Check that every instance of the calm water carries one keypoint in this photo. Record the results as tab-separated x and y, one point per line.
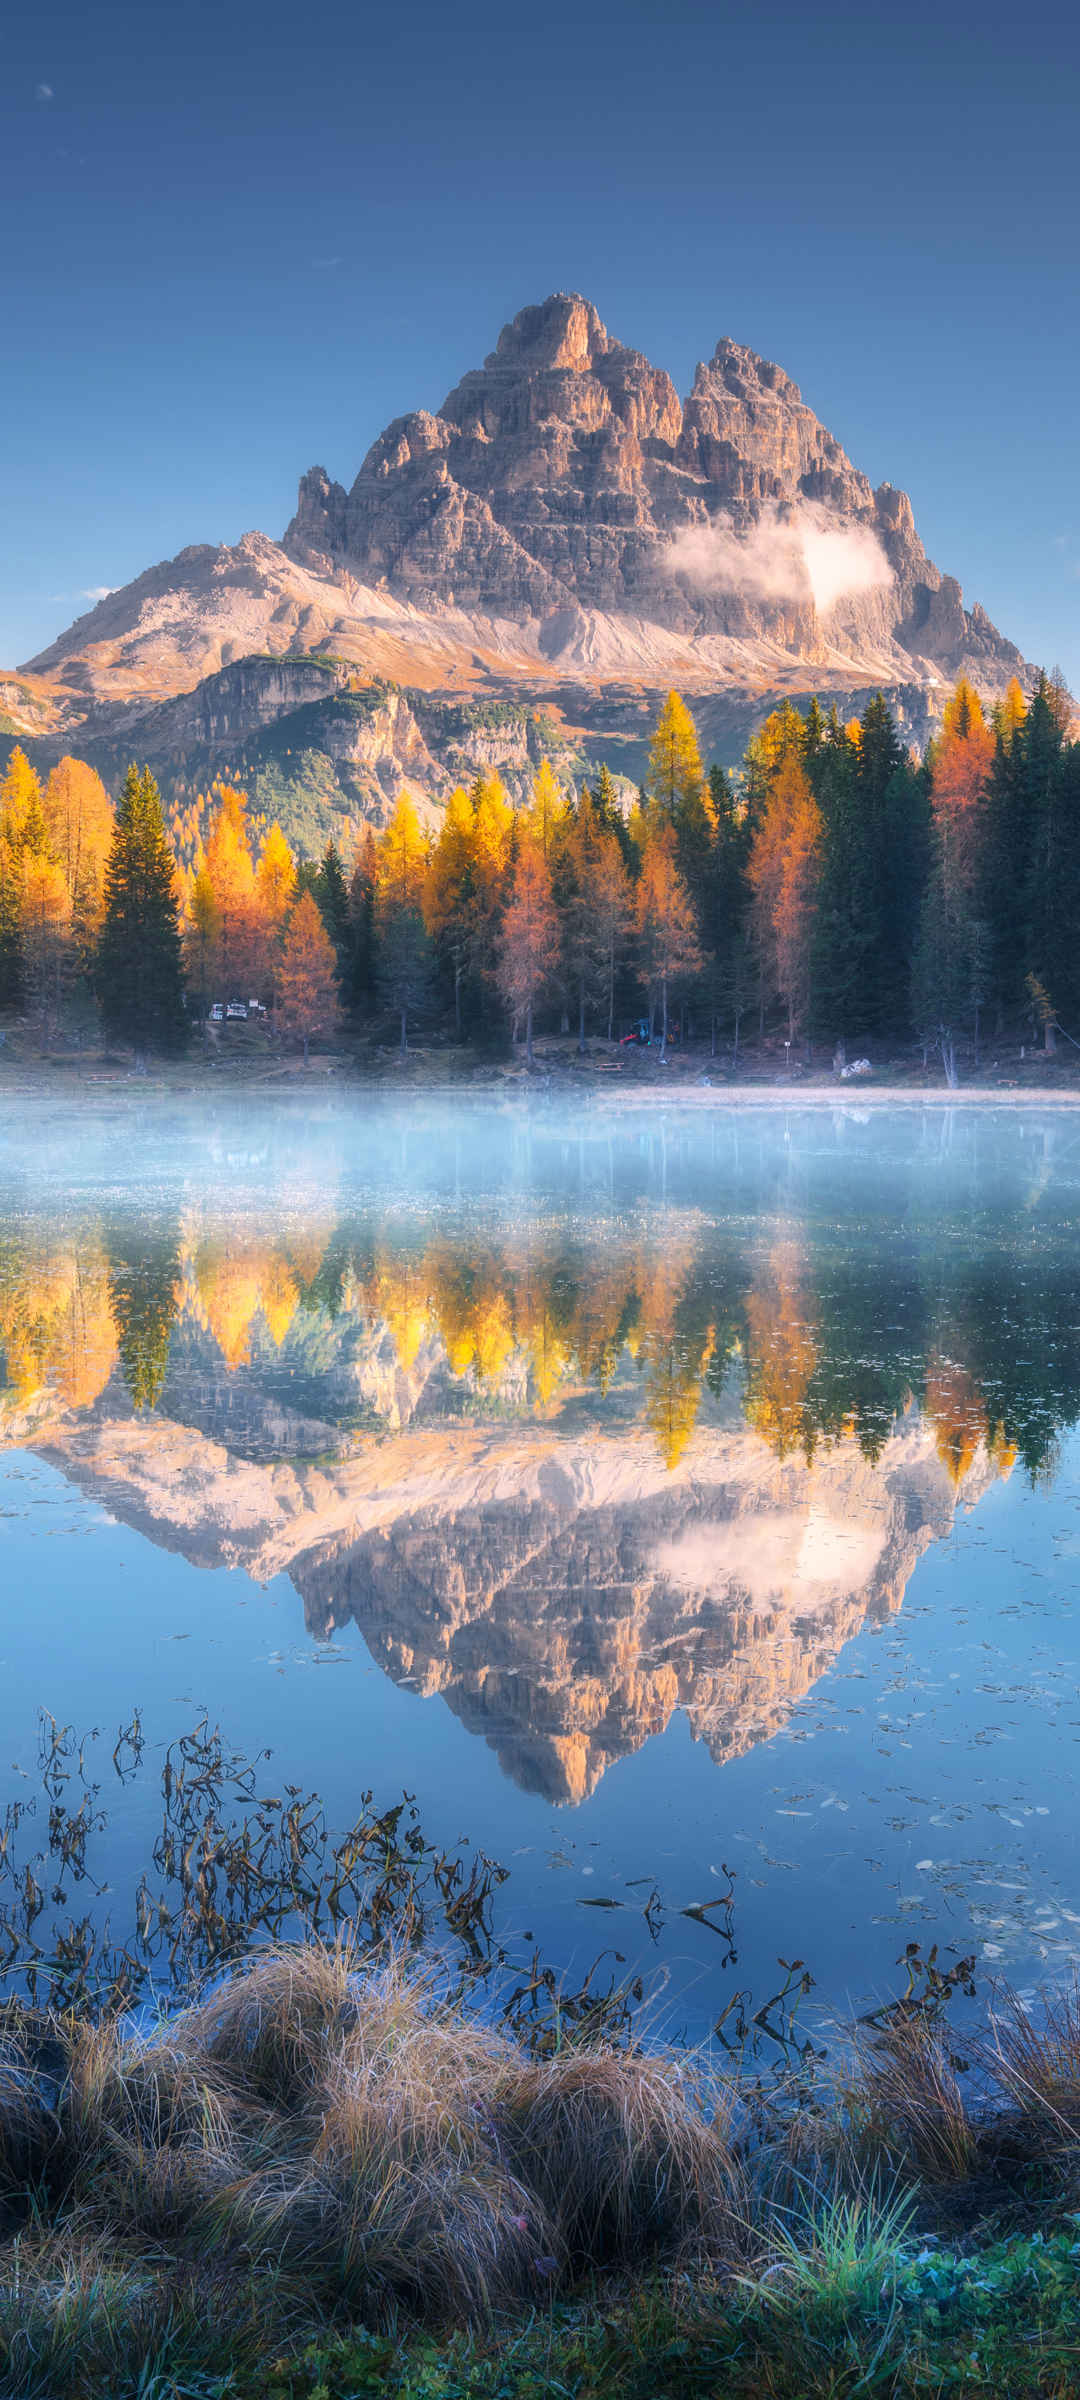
648	1493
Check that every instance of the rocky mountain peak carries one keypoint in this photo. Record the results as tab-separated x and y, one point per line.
563	331
564	522
557	364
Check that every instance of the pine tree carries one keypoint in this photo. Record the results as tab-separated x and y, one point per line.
362	884
139	970
448	895
332	894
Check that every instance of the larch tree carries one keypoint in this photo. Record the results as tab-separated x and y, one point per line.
529	942
139	969
231	869
23	836
783	872
275	889
547	815
201	936
675	772
275	877
308	984
45	929
79	817
493	841
666	924
403	954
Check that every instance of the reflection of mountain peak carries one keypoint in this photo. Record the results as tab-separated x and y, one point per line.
564	1597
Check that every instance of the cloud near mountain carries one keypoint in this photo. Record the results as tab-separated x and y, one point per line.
806	554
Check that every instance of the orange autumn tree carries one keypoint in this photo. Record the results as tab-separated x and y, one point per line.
666	924
784	871
45	930
962	761
308	974
529	942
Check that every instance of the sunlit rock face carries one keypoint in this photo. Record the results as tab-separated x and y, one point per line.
563	1597
562	532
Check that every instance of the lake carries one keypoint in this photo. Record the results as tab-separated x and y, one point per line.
679	1503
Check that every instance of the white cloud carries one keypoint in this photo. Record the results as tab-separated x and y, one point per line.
43	91
99	591
804	554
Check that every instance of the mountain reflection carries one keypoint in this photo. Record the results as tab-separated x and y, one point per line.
569	1470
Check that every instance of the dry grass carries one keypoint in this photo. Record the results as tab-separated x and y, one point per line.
906	2110
360	2146
313	2143
1035	2064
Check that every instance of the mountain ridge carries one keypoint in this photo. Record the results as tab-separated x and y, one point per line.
564	534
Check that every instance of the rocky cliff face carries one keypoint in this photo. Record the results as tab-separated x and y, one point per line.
564	532
564	476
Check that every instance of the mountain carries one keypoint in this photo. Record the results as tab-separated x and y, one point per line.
525	569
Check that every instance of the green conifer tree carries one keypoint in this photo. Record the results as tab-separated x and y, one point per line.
332	896
140	981
144	1289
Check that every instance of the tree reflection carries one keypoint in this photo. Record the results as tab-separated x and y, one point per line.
818	1337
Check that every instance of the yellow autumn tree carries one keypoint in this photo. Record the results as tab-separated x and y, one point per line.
548	811
275	877
493	834
238	963
675	769
1010	713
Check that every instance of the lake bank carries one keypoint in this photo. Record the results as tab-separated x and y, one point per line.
697	1084
318	2181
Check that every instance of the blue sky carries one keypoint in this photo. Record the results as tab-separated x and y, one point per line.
239	239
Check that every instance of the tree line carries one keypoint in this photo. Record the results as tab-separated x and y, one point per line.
834	887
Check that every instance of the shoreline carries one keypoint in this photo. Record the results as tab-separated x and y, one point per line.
592	1091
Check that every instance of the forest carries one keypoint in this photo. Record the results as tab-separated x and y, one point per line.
834	888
